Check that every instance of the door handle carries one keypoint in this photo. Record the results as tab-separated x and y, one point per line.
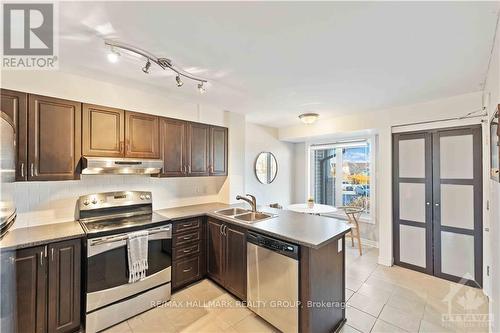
187	269
32	167
437	204
22	169
52	254
224	230
41	258
427	203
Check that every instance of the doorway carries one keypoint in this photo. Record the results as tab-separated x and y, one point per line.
437	203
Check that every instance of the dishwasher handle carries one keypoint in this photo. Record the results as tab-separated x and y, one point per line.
287	249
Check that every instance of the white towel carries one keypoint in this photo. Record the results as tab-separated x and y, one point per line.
137	248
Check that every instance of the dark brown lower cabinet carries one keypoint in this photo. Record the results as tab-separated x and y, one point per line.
31	290
64	286
227	256
47	288
188	252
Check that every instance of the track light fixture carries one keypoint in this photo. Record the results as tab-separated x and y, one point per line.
179	81
201	89
164	63
145	69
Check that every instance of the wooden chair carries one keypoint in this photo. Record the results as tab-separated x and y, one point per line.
353	214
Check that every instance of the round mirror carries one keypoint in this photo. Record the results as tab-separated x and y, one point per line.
266	167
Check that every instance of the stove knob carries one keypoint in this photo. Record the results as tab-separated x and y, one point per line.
86	202
148	196
94	201
142	197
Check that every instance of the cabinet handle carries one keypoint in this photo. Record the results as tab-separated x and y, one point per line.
121	147
187	224
437	204
224	230
189	168
32	167
186	251
187	237
22	169
187	269
220	229
52	254
41	258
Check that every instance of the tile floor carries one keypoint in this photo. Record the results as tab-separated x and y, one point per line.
379	299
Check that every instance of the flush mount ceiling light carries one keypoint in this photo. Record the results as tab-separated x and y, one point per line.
309	118
163	63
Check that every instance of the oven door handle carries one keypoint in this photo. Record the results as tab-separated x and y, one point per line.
99	245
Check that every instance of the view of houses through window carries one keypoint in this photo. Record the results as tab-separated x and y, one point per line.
342	174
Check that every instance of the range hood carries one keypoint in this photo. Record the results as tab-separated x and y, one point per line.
120	166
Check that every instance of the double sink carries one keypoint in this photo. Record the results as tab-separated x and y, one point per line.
244	215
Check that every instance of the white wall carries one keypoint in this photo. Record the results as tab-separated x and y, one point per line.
52	202
380	123
492	88
281	190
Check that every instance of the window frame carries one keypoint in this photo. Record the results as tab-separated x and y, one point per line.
345	143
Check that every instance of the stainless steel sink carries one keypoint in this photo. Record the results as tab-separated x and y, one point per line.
253	216
231	211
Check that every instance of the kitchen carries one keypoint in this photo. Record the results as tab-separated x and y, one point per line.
179	168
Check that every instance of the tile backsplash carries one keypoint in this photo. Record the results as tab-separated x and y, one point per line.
53	202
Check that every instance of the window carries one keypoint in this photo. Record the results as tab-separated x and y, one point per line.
341	174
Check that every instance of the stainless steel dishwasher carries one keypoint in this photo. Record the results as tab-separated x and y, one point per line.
273	281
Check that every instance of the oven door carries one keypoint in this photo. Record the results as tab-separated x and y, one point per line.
107	267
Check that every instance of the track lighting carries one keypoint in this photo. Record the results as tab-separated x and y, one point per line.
179	81
145	69
113	55
201	89
163	63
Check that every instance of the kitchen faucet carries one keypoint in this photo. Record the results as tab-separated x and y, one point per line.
252	201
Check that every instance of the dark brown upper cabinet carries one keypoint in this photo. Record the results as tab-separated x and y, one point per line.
198	149
103	131
173	136
142	135
14	104
54	138
218	151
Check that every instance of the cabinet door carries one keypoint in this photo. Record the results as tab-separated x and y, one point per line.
14	104
54	138
103	131
198	149
215	250
235	268
64	286
173	146
31	290
142	135
218	151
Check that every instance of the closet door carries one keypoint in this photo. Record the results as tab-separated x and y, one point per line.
412	197
457	206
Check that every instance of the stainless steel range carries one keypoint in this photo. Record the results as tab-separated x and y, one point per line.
107	219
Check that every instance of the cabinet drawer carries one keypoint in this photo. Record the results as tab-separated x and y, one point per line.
186	250
186	271
186	238
185	225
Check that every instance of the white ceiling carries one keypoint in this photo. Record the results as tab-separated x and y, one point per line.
275	60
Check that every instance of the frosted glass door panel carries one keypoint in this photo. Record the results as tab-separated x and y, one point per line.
456	160
457	254
457	206
412	202
412	245
412	158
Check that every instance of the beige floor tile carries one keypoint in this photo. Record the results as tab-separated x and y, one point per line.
431	327
206	324
353	283
229	317
368	304
119	328
371	290
401	319
253	324
414	306
360	320
384	327
348	329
